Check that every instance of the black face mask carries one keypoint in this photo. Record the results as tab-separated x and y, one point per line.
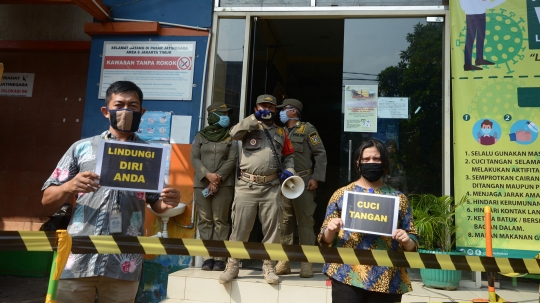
371	171
125	120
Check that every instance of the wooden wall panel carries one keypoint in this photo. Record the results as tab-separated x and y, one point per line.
37	131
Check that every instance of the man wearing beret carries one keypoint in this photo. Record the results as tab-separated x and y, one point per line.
309	164
266	156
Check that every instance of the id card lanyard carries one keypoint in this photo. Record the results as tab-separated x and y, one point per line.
115	218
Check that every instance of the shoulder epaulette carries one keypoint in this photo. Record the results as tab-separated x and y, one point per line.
302	128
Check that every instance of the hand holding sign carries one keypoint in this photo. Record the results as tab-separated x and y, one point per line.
403	238
83	183
334	226
170	197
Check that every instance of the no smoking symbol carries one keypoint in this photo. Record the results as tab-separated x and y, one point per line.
184	63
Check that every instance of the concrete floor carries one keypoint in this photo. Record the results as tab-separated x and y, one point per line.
23	289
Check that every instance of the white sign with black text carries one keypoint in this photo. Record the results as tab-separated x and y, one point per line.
163	70
17	84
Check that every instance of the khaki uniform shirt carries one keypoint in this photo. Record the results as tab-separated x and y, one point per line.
309	150
257	156
213	157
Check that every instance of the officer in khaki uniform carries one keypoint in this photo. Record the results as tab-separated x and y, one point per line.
257	191
310	164
214	155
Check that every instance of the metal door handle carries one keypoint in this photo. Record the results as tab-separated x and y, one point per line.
350	152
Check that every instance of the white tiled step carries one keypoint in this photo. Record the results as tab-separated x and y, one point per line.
194	286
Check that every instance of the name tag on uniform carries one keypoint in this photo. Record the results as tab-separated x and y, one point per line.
115	223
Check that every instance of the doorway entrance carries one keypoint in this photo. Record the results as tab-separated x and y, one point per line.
332	65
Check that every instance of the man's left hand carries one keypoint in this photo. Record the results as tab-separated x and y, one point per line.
285	174
170	197
312	184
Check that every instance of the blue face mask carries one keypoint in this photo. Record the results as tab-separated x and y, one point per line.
283	116
223	120
486	130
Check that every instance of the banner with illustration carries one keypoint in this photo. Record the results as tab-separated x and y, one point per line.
496	113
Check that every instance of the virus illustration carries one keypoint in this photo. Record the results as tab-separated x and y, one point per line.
496	98
505	38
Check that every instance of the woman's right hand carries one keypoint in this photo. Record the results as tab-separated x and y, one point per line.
334	225
213	178
331	229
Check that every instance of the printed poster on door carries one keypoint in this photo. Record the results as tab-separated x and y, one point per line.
163	70
496	113
360	108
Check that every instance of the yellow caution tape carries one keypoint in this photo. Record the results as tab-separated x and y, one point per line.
45	241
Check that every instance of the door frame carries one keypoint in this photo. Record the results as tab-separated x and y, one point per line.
248	13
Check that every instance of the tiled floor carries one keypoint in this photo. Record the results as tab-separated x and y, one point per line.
192	285
420	293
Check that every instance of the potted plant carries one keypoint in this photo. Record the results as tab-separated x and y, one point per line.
434	218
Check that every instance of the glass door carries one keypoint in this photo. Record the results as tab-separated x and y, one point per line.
320	61
392	91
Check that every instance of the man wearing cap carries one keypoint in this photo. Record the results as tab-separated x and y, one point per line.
267	156
214	155
310	164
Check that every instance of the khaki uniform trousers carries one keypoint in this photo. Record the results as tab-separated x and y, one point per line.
84	290
213	215
299	212
250	201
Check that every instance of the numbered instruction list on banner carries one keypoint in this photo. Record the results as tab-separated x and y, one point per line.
163	70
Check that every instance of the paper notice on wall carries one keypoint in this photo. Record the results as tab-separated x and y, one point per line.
393	108
163	70
17	84
180	129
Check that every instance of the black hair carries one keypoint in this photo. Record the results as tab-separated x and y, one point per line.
122	87
380	147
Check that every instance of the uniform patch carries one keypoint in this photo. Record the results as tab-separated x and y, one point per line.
314	137
301	129
252	142
279	131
